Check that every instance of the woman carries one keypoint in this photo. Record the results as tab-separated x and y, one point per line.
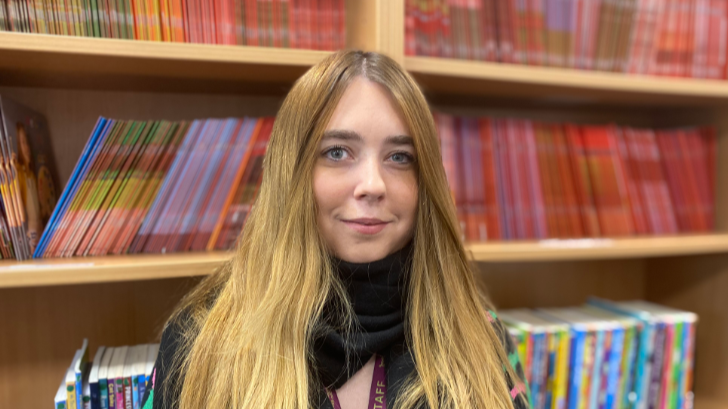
350	286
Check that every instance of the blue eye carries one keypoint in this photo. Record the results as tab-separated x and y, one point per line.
402	158
335	153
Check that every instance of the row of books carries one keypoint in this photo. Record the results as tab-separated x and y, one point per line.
28	179
115	379
521	179
606	355
159	187
659	37
311	24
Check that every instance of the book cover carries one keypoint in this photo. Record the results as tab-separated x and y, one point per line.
138	379
32	158
565	176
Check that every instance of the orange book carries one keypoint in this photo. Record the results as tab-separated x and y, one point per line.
113	183
543	148
608	181
86	191
582	181
636	202
570	201
119	214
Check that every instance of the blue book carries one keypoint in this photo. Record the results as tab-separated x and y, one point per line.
83	165
79	367
104	378
578	333
645	348
93	379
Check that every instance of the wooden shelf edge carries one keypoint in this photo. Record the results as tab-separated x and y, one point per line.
613	83
86	270
44	272
109	47
586	249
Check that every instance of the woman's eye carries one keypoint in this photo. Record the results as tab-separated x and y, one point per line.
401	157
336	153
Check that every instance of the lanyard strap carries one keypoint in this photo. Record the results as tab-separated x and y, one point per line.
378	391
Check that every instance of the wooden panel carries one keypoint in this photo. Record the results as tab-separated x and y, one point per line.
43	327
49	60
560	284
72	114
452	76
376	25
700	285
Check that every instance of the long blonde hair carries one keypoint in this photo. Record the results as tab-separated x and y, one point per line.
250	326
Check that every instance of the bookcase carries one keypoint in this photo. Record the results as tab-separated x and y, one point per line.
48	306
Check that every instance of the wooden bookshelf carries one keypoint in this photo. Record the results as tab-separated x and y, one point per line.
87	270
113	64
48	306
549	84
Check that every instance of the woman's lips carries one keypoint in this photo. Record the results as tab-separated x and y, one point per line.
366	226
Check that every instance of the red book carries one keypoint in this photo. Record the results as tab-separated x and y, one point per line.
671	167
629	167
570	201
521	205
540	226
582	180
492	208
505	179
653	184
608	180
691	166
701	168
543	151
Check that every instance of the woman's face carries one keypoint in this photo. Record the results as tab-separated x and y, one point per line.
365	178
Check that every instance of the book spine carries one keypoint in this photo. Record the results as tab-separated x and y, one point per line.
103	394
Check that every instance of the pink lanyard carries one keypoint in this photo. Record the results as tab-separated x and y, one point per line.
378	392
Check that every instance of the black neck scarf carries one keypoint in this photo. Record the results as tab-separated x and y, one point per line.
377	291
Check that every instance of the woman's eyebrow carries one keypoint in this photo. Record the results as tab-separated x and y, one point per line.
342	135
399	140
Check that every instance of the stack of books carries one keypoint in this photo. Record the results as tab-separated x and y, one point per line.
159	187
683	38
28	179
310	24
631	354
521	179
116	378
